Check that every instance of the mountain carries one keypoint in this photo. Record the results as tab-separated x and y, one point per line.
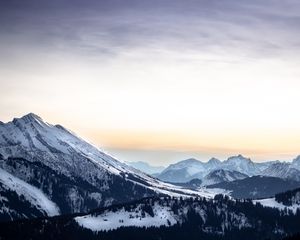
58	166
146	167
283	170
221	175
240	164
213	163
257	187
187	170
167	219
296	163
181	171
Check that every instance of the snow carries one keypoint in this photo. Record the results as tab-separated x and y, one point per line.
271	202
163	216
63	151
241	164
32	194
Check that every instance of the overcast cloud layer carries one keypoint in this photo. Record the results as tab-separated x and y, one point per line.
201	76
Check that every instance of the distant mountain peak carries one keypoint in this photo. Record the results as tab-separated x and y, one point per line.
214	160
239	157
297	159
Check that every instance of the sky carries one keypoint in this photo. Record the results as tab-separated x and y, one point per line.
158	81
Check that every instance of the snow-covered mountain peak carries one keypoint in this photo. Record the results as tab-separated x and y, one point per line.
214	161
29	118
30	137
241	164
238	158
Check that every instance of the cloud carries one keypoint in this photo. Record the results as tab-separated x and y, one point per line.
109	28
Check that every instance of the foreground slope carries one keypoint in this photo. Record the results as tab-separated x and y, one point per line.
19	199
164	218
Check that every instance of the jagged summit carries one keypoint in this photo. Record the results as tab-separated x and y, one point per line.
30	117
238	157
241	164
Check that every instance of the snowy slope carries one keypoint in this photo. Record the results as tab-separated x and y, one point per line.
222	175
163	212
33	195
162	216
165	218
272	203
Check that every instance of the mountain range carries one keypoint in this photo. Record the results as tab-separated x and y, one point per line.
234	168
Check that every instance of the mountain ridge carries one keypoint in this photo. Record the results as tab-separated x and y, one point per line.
186	170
